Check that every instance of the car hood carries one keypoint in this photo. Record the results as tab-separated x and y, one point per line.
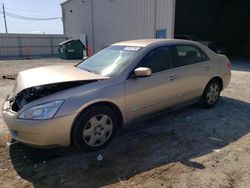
52	75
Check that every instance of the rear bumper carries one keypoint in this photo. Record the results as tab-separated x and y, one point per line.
39	133
226	80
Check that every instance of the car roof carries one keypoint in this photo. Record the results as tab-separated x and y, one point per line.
149	42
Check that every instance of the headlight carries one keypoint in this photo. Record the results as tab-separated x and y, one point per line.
42	112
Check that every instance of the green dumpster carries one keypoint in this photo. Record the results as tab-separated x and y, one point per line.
71	49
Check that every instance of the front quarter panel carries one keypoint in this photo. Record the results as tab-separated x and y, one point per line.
112	93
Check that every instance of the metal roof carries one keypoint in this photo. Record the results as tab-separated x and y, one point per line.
66	1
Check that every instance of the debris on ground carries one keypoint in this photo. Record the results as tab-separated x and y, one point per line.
8	143
122	182
9	77
99	157
11	143
217	150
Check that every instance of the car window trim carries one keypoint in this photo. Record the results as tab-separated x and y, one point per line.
187	66
175	69
202	55
195	46
144	54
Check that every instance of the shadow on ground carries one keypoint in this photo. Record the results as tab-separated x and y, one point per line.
168	137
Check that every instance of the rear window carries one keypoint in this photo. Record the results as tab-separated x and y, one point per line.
187	55
204	56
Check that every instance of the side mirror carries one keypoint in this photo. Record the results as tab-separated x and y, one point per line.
143	72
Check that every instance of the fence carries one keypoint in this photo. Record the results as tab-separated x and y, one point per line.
29	45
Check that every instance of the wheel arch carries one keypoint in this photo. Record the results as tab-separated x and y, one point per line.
218	78
111	105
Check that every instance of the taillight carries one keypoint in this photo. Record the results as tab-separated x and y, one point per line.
229	65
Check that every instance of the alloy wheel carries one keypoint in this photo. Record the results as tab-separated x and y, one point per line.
98	130
213	93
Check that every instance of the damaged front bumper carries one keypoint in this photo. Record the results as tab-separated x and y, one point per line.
39	133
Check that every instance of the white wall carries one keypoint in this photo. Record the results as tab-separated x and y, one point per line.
165	16
77	19
120	20
108	21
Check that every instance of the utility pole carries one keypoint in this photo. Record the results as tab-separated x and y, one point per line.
5	22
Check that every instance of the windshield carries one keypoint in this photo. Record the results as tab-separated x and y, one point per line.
110	61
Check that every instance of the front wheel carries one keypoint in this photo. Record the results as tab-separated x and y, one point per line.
211	94
95	128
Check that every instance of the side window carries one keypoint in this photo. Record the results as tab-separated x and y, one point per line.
187	55
158	59
204	56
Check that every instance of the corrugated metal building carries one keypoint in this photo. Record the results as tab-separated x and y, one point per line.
107	21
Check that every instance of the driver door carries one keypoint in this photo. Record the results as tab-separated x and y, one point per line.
146	95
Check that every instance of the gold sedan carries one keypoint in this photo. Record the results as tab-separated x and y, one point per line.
86	104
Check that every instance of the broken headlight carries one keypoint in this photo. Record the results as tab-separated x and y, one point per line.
42	112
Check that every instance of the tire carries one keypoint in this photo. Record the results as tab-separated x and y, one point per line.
211	94
94	128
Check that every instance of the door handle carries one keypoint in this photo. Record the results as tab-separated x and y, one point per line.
207	67
172	77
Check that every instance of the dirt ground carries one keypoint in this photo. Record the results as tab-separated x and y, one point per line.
190	147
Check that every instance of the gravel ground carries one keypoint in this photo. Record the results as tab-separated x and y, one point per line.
190	147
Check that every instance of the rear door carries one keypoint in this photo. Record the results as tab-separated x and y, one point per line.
158	91
195	69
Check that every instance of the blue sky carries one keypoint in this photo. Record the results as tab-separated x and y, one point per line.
32	8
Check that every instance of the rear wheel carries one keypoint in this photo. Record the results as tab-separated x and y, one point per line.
95	128
211	94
